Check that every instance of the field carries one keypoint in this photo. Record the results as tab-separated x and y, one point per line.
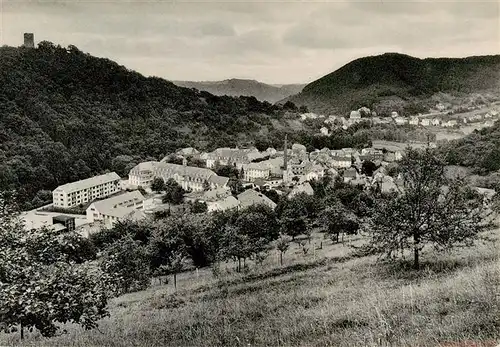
326	297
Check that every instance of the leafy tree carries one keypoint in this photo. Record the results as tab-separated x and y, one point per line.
236	186
167	249
45	279
127	262
282	245
199	207
197	162
290	106
174	194
368	167
158	184
430	210
227	171
339	220
303	109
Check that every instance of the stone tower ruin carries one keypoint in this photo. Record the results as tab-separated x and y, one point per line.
29	40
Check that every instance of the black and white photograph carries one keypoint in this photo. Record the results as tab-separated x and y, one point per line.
197	173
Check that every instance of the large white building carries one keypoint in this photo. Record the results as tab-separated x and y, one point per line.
80	192
253	171
188	177
112	207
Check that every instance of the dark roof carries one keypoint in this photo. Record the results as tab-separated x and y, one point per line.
63	218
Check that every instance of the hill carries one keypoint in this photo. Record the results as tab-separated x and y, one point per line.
322	298
397	82
237	87
479	150
65	115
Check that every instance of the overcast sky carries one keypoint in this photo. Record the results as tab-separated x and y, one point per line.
274	42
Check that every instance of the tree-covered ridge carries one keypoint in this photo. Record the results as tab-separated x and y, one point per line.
65	115
479	150
398	81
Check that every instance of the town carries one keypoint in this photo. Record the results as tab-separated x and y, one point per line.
108	198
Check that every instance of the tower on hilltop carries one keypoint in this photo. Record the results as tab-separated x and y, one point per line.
29	40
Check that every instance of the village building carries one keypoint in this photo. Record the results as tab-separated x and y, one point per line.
188	177
115	208
304	188
225	204
401	120
324	131
81	192
253	171
251	197
436	121
355	115
425	122
342	162
350	174
413	121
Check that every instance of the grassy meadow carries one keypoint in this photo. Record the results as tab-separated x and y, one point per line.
326	297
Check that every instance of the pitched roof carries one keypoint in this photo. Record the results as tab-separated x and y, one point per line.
302	188
228	203
184	170
351	172
115	201
89	182
218	180
251	197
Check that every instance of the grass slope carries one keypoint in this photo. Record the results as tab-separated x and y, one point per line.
325	298
393	81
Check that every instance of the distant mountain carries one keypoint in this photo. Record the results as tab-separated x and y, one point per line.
397	82
237	87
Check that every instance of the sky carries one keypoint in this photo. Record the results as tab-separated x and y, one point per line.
270	41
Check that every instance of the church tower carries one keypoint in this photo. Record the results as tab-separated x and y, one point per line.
285	161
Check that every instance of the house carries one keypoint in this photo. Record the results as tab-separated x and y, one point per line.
312	172
350	174
449	124
401	120
113	215
189	151
436	122
342	162
309	115
228	203
301	188
413	121
355	115
425	122
394	114
188	177
80	192
101	208
253	171
324	131
372	154
251	197
271	151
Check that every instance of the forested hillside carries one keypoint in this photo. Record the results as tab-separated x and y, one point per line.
65	115
397	82
479	150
